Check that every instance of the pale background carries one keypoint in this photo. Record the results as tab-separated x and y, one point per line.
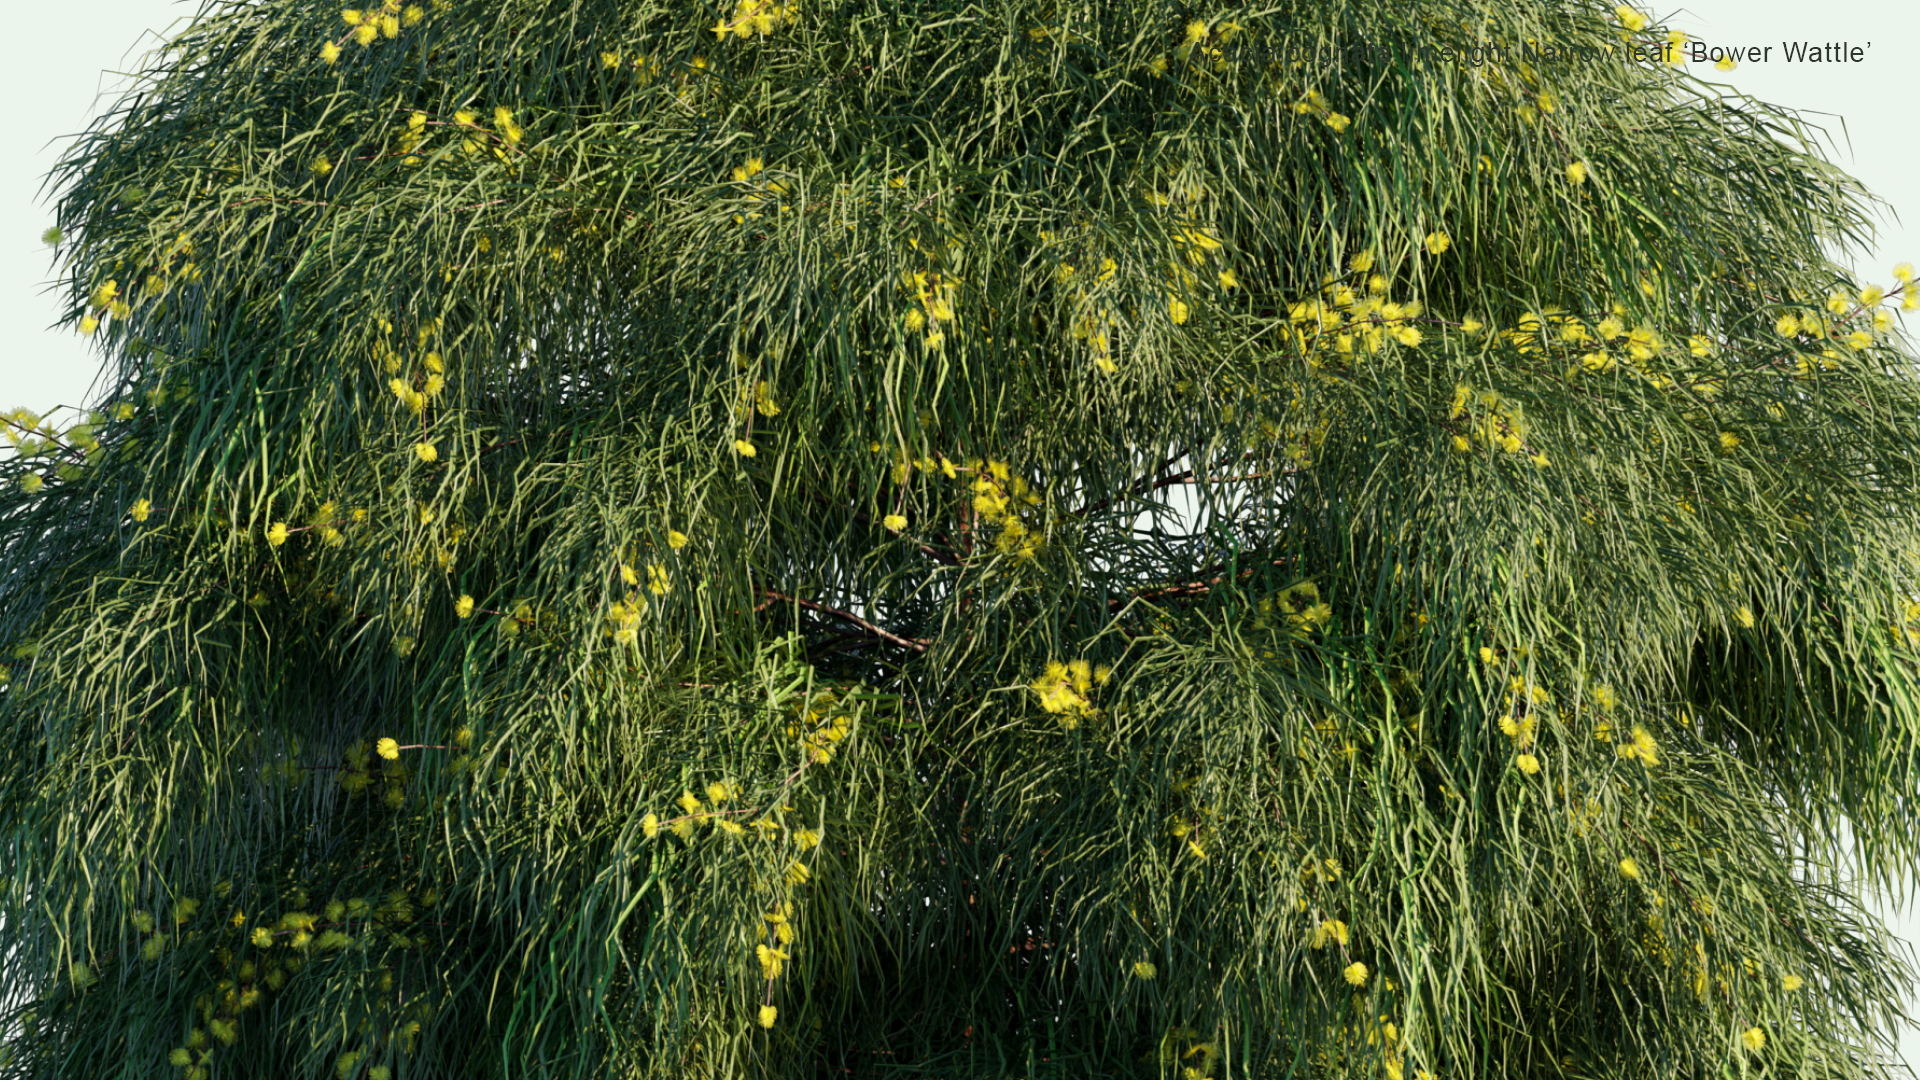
66	55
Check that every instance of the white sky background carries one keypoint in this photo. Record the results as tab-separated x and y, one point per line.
75	48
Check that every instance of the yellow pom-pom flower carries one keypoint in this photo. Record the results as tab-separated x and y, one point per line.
1577	172
426	452
1356	974
676	540
895	522
768	1014
1528	764
387	748
329	52
1630	869
1438	242
1753	1039
744	448
277	533
463	607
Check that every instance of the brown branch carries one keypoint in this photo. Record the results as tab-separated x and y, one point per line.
916	644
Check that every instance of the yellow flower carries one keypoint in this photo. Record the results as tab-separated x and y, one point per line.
463	607
1632	20
329	52
1646	749
768	1014
141	509
1577	172
1630	869
676	540
1754	1039
1528	764
719	792
388	749
1745	615
1792	983
1228	280
650	826
1728	440
262	937
1438	242
1726	63
894	522
1362	262
1177	309
366	33
1471	326
744	448
1356	974
425	452
1144	970
277	533
1837	303
1786	326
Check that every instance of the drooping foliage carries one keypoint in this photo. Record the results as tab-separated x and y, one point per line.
626	538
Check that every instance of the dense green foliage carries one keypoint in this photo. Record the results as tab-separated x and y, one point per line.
970	540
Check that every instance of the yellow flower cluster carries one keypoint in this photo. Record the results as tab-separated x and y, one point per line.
250	969
1006	501
1066	690
1642	748
372	24
1329	932
1354	314
1315	104
1298	607
759	190
930	304
1491	419
752	17
821	728
774	955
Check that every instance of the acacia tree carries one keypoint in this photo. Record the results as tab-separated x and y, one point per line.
622	539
